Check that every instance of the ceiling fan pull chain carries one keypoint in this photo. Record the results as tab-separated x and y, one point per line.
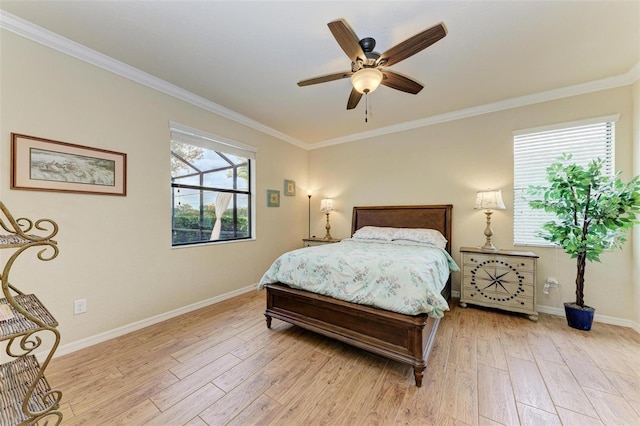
366	106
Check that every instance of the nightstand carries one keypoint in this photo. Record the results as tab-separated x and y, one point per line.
309	242
500	279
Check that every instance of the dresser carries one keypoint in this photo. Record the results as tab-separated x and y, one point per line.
309	242
499	279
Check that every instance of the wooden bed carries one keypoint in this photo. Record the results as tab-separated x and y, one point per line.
400	337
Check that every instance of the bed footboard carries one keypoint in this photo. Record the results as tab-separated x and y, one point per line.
396	336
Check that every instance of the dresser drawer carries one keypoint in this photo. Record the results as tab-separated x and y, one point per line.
498	298
520	263
310	242
491	271
504	291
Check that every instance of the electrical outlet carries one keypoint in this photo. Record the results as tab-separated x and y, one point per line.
79	306
551	282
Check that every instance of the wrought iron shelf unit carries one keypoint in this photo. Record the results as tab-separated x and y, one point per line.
26	396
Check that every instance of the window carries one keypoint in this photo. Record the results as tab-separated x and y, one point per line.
535	149
211	187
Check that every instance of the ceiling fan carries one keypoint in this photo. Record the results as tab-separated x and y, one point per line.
367	67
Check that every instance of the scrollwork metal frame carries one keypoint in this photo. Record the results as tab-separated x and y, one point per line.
23	343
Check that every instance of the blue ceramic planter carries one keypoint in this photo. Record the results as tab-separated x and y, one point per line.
579	318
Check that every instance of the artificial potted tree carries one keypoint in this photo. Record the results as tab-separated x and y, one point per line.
594	213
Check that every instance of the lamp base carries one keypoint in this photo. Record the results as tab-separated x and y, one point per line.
328	227
309	222
488	232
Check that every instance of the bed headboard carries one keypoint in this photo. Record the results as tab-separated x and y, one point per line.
432	217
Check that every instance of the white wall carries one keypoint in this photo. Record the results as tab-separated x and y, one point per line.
116	251
449	162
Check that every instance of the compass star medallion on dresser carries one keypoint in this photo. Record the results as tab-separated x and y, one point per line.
499	279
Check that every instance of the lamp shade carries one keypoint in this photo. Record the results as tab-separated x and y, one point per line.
326	205
366	80
489	200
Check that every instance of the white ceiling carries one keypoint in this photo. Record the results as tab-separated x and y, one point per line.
246	56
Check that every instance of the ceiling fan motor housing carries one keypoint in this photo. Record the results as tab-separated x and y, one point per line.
367	44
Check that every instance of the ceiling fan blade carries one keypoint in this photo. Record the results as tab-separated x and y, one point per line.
347	39
354	98
325	78
400	82
412	45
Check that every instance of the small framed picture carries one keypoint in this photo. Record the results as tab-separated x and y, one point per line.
273	198
289	187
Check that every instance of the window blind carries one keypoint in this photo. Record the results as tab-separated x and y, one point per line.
199	138
535	149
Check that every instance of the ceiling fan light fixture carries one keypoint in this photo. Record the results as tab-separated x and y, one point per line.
366	80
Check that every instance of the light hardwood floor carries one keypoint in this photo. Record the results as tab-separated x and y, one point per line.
221	365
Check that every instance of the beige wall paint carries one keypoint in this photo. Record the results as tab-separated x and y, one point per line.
116	251
449	162
635	277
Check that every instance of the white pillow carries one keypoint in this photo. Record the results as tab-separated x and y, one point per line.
375	233
421	235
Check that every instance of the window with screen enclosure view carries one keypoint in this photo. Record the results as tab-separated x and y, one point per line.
211	189
535	149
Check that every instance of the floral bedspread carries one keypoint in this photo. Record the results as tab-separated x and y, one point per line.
397	276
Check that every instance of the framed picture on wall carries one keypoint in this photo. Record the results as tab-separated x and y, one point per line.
46	165
273	198
289	187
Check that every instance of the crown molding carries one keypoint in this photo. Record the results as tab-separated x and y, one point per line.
626	79
55	41
50	39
